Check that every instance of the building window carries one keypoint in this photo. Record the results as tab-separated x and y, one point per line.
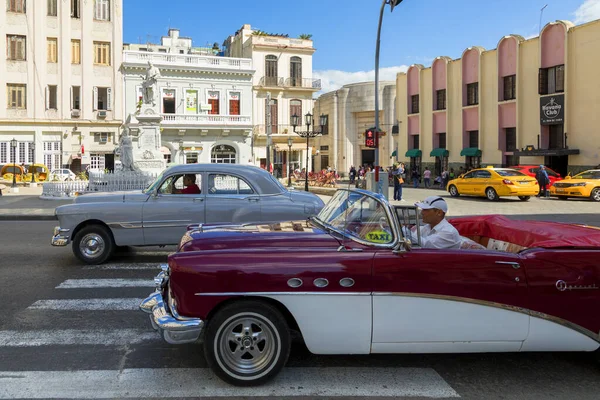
474	139
556	136
169	101
222	154
415	141
552	80
271	70
52	8
102	10
53	155
510	87
102	98
325	129
234	103
52	50
274	117
102	137
440	96
75	11
442	140
473	94
102	53
295	109
16	96
511	139
97	162
75	51
296	71
414	104
213	100
17	6
15	47
51	97
75	98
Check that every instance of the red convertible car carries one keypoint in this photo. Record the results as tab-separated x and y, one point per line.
349	282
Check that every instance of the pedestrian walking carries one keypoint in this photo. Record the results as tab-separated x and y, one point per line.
352	174
427	177
398	174
445	178
415	176
543	180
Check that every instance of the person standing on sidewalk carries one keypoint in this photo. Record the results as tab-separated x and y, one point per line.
427	178
543	180
398	181
415	177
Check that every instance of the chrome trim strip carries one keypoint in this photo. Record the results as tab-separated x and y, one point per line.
515	265
526	311
125	225
228	294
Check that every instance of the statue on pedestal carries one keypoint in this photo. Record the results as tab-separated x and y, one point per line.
126	150
149	85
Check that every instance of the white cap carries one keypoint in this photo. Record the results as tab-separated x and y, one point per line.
433	202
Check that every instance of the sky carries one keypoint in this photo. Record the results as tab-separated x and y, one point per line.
344	33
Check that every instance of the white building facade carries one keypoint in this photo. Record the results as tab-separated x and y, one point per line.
283	69
205	101
63	101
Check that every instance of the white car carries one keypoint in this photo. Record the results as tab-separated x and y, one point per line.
62	175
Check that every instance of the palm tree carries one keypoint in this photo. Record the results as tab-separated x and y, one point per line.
305	36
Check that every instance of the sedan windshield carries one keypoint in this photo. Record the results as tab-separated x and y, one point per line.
154	184
588	175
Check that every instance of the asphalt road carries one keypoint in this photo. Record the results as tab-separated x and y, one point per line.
53	343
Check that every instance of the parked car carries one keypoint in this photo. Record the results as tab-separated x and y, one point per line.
160	214
493	183
348	282
531	170
62	174
585	184
39	171
8	170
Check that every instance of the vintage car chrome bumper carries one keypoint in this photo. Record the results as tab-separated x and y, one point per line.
59	237
173	328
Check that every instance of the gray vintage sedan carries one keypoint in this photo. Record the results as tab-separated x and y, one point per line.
182	195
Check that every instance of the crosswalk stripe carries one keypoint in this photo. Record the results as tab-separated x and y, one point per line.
125	266
118	337
169	383
88	304
104	283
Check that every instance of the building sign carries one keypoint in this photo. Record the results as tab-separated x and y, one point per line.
552	109
191	101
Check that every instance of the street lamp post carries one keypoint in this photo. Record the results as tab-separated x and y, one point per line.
13	147
32	147
290	143
308	133
392	3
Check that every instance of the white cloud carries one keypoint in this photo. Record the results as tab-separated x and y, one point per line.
335	79
588	11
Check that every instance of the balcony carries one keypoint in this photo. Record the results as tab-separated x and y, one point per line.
276	130
296	83
206	120
187	60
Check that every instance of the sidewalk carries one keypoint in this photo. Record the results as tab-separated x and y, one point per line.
26	205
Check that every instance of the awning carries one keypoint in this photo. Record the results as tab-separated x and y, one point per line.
439	152
470	152
545	152
413	153
394	153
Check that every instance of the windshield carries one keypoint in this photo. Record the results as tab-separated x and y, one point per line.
359	216
154	185
588	175
509	172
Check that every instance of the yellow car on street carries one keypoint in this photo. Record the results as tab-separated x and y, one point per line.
585	184
493	183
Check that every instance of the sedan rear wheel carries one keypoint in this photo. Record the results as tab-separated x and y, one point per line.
93	244
247	343
524	198
453	191
595	195
491	194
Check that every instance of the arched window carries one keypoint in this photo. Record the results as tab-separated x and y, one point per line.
271	70
296	71
296	108
223	154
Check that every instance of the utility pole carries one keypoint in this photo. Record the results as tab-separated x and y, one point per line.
268	166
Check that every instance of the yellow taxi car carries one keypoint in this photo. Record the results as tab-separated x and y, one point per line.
493	183
585	184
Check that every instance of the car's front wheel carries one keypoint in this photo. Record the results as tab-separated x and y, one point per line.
93	244
524	198
595	195
453	191
491	194
247	343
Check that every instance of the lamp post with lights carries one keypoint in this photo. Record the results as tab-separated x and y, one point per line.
308	133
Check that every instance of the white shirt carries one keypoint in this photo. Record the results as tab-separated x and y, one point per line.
442	236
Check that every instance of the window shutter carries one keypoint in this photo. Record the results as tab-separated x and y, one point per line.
109	99
543	81
47	95
95	98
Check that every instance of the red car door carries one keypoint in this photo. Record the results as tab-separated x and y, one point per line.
432	300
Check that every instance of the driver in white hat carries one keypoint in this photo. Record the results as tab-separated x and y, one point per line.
437	233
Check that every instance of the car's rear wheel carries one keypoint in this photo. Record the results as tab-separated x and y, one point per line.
93	244
491	194
453	190
595	195
524	198
247	343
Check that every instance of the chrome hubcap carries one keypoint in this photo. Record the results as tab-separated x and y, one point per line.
247	344
92	245
490	195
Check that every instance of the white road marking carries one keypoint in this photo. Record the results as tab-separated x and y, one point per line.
88	304
169	383
104	283
125	266
117	337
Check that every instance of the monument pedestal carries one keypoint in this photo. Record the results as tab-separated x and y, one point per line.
146	154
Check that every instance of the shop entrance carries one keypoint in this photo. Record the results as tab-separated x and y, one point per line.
368	157
558	163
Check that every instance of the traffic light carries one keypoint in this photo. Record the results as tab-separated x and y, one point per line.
371	138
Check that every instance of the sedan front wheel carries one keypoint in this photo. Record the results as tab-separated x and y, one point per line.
247	343
93	244
453	191
595	195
